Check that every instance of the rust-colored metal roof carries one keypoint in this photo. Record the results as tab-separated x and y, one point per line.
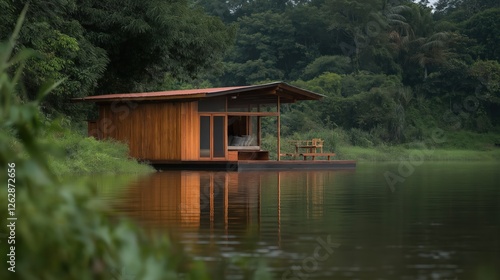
297	93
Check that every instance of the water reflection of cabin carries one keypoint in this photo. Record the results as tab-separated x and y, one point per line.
186	128
224	200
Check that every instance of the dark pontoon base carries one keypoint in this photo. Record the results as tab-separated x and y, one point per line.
255	165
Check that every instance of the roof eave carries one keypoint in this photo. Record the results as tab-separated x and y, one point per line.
299	94
139	98
311	95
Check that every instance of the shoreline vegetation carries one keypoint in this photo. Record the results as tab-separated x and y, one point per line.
79	154
82	155
389	72
388	154
361	146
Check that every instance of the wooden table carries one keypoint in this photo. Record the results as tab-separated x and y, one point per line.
303	144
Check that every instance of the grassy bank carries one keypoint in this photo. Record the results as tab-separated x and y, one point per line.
78	154
402	153
361	146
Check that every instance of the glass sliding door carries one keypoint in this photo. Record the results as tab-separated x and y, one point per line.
212	136
219	135
205	137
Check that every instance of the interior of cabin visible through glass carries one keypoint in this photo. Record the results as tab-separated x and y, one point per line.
242	132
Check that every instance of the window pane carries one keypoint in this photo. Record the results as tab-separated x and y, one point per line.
204	136
219	133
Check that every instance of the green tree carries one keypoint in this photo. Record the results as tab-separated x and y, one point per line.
484	27
265	49
311	24
487	74
308	116
146	40
328	63
417	47
113	46
348	19
62	52
431	51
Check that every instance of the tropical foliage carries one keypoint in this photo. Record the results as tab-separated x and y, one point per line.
391	69
112	46
61	230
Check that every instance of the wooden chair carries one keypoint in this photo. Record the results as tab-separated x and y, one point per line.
318	143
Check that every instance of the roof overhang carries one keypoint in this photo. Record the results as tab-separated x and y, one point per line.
288	94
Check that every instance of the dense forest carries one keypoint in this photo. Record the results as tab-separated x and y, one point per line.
390	70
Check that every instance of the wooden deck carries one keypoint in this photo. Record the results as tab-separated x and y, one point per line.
254	165
314	155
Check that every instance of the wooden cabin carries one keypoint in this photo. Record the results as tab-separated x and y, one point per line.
213	124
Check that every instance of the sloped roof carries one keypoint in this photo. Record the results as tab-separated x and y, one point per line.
287	92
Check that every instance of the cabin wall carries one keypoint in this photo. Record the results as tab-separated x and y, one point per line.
190	131
153	131
92	129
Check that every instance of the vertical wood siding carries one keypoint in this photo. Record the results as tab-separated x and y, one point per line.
190	120
92	130
153	131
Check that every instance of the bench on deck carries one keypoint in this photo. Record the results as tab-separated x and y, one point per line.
247	153
288	155
313	155
253	155
310	148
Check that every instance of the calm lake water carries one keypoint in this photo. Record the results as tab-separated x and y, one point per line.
441	222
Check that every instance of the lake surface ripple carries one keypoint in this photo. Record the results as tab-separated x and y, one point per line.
441	222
